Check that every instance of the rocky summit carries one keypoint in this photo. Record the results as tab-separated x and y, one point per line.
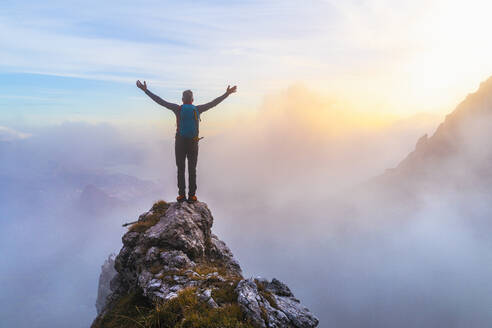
172	271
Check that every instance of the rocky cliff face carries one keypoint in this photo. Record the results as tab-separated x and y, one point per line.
461	140
456	158
173	272
107	274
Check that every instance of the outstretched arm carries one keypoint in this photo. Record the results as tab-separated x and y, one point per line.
216	101
157	99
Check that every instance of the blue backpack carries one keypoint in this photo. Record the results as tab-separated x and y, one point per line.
188	121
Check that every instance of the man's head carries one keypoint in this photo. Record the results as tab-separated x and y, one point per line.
187	97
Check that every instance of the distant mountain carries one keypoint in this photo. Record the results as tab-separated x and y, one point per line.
457	155
451	169
94	200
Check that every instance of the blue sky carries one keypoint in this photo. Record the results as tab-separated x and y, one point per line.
80	60
74	60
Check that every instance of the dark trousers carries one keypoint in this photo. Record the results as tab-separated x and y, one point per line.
186	148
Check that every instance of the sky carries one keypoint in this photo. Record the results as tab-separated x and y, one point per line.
78	61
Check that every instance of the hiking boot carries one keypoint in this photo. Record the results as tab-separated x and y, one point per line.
192	199
181	198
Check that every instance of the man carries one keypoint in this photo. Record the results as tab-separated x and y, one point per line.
186	142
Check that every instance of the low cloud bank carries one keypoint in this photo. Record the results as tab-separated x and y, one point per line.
283	196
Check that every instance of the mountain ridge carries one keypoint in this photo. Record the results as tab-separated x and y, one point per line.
451	135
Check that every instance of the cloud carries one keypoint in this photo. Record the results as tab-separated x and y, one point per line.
8	134
161	42
275	186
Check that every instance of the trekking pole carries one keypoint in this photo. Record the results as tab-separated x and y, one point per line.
127	224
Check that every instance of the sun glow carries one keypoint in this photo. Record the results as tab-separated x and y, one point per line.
452	51
421	56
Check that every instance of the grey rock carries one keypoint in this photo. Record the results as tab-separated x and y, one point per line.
220	251
278	288
212	303
130	238
176	259
275	307
165	259
176	288
154	284
170	296
212	275
207	293
185	227
104	289
153	254
206	296
250	301
144	281
297	314
192	273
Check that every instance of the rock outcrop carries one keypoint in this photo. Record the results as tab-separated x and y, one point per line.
176	273
462	139
107	274
456	158
272	304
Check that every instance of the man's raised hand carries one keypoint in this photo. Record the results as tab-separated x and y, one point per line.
142	86
231	90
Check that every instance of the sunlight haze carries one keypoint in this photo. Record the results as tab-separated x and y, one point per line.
352	163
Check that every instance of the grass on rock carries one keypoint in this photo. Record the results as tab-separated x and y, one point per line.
158	210
183	311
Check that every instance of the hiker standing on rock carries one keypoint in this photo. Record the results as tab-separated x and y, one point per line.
187	129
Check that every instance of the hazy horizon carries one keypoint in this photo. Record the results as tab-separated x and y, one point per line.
84	180
297	167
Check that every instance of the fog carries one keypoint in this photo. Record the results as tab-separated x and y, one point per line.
295	191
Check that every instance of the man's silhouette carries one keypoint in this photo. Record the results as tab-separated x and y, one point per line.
187	128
